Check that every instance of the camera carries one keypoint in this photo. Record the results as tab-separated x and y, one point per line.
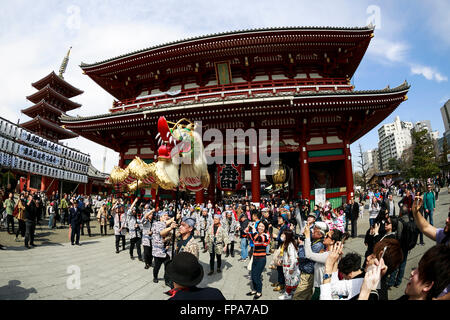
301	237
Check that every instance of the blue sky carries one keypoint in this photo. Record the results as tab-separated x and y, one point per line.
412	42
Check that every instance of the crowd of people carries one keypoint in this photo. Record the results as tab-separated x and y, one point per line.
304	246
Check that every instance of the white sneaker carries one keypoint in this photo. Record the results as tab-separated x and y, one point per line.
285	296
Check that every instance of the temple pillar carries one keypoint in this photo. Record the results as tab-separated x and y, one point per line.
256	179
199	197
304	172
348	171
121	159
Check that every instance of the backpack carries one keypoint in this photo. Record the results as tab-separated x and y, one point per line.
410	233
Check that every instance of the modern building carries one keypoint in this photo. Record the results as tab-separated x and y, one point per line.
426	125
445	112
371	159
393	139
296	80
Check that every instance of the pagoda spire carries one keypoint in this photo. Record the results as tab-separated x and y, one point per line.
63	67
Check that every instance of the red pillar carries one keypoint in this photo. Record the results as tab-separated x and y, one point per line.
304	172
199	197
121	160
256	179
348	171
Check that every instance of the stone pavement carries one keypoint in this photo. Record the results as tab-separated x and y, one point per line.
47	272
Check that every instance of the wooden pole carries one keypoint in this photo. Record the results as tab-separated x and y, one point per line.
176	209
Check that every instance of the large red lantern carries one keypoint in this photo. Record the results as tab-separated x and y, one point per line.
230	177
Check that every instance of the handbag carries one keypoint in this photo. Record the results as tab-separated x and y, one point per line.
16	211
278	258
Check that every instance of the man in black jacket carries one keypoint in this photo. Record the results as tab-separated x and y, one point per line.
75	220
388	205
31	213
354	214
86	218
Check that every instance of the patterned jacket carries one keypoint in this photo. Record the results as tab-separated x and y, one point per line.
146	232
203	223
161	246
120	223
231	227
218	240
133	230
191	247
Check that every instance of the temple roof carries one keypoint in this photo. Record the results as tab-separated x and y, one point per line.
52	79
34	125
191	104
47	92
229	33
34	109
94	173
333	52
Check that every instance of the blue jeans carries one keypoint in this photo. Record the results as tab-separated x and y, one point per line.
50	221
372	221
396	277
429	214
244	248
257	269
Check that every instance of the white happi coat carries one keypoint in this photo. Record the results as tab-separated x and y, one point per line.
120	223
133	231
203	223
146	230
231	227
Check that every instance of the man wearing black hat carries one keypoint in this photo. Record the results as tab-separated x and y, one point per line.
186	273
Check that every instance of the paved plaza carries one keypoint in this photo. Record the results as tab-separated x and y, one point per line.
49	271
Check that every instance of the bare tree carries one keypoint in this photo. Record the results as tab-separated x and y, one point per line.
364	167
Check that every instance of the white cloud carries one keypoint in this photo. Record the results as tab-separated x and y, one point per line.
387	51
428	72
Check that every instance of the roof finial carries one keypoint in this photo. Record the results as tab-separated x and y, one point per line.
63	67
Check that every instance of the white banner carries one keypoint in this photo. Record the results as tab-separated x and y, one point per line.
320	197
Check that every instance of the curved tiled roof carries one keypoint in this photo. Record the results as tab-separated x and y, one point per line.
52	75
402	87
229	33
48	124
37	96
